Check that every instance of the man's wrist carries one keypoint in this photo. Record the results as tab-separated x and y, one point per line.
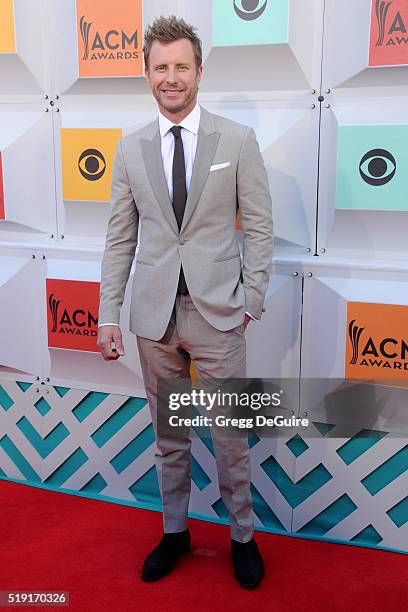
251	316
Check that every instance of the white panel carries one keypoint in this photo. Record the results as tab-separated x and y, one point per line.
305	42
128	118
273	344
347	31
26	71
21	298
64	42
28	168
32	30
15	121
288	139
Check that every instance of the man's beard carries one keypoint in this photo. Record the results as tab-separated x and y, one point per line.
182	105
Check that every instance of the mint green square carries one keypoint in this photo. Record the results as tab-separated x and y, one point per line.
352	190
270	28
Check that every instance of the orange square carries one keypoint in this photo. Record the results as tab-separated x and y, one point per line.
7	34
110	38
87	159
72	314
389	33
377	343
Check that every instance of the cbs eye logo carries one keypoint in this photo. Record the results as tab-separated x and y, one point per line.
378	167
249	9
92	164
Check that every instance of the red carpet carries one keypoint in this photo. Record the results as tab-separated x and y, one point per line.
94	550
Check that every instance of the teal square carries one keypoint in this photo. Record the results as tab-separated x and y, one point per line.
372	167
250	22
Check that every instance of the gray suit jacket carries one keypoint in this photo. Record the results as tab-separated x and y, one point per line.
220	286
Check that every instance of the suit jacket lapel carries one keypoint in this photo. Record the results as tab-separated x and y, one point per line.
151	151
207	144
206	147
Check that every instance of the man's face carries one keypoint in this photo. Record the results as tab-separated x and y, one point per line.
173	76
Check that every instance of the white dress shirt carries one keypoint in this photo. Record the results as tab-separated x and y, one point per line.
189	136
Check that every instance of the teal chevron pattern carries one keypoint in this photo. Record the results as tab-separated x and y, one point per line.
295	493
102	445
399	513
19	460
43	446
387	471
359	444
5	400
330	516
369	535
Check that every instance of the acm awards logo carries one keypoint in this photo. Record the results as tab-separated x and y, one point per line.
108	38
77	322
388	352
110	45
72	308
92	164
378	167
391	26
377	341
249	10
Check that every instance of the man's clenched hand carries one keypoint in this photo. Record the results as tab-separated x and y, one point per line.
106	335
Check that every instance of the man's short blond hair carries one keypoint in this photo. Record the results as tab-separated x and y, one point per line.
170	29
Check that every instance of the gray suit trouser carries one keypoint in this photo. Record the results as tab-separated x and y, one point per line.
216	354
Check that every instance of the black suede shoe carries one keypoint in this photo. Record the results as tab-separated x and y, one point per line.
163	558
248	564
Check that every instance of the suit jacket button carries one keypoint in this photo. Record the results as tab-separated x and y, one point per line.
181	241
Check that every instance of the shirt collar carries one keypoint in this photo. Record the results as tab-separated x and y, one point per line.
190	123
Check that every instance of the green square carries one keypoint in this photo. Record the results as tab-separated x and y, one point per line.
372	167
250	22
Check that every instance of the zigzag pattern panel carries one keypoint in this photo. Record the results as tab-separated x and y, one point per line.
102	445
364	498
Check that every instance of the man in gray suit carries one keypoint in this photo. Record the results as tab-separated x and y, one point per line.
176	188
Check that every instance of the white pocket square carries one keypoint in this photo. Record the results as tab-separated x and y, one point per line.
219	166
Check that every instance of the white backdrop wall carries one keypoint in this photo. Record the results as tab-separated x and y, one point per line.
324	91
